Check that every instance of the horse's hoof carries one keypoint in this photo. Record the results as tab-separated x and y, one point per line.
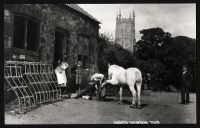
133	106
139	106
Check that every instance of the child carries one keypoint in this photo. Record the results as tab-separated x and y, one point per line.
61	76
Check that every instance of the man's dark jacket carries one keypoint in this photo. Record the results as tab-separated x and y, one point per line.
186	78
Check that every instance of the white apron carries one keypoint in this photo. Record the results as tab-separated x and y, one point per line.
61	76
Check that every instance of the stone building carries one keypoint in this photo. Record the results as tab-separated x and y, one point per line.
48	32
125	31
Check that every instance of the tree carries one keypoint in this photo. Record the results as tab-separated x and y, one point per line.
151	42
180	50
164	55
150	49
113	53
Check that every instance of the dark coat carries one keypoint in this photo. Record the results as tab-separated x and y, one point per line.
186	78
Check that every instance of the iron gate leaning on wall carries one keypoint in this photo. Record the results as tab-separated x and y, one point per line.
34	83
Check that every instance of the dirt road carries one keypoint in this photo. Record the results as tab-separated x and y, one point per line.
161	107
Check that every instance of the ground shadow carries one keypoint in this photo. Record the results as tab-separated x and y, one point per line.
129	103
144	105
108	99
124	101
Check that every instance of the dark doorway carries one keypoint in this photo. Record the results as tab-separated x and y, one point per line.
58	53
62	43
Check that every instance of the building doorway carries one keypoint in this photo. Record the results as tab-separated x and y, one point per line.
61	37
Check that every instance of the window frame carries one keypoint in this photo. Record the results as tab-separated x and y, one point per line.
84	41
32	19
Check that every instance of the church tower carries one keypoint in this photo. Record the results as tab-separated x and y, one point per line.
125	31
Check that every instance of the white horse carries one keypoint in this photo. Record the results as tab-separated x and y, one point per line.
131	77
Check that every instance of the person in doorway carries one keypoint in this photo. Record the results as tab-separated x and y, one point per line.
186	80
57	63
61	76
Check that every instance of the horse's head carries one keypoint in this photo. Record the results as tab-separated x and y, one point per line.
111	69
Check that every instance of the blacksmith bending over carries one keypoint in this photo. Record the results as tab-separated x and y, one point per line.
95	83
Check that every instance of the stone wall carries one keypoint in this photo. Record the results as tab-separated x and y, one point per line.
51	17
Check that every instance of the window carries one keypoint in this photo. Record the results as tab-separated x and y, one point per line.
83	43
85	61
79	57
19	32
26	33
32	43
91	45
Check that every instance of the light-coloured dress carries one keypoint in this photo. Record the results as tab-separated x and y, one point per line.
61	76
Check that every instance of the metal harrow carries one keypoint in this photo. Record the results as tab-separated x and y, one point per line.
34	83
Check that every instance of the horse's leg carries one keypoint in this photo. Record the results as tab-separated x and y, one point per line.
132	89
112	81
120	94
138	85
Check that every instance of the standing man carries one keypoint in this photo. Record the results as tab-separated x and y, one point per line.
148	81
79	75
186	80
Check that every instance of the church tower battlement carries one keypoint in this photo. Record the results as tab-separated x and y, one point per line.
125	31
